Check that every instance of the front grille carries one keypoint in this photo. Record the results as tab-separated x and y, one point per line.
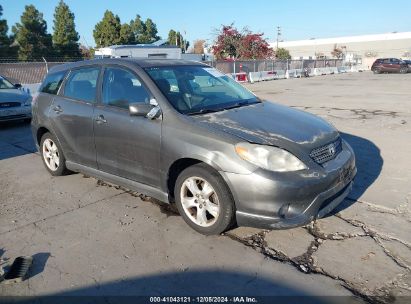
11	117
6	105
327	152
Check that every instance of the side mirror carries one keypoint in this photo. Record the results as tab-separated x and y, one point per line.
140	109
143	109
17	85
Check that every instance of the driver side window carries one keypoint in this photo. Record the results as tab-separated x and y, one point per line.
121	87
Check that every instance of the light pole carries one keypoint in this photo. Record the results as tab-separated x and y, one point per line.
278	34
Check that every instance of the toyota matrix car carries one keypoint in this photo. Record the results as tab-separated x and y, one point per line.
184	133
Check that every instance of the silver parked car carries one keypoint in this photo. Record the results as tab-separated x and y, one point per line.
15	104
183	132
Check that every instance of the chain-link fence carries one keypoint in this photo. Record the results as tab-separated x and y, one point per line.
247	66
34	72
26	72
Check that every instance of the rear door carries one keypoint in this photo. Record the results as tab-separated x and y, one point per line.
386	65
72	115
127	146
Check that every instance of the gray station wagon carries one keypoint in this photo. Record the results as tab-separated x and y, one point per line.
184	133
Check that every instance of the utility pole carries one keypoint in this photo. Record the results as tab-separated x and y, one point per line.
278	34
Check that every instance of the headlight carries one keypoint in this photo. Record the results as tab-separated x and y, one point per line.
269	158
28	101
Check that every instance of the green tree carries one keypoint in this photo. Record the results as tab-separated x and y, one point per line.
4	38
138	28
150	33
31	35
126	34
282	54
175	38
172	37
65	37
107	31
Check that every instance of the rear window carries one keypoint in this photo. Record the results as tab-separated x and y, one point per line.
52	83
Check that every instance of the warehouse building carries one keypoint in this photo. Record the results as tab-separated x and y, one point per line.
361	50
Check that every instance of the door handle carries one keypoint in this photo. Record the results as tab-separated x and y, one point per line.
100	119
58	109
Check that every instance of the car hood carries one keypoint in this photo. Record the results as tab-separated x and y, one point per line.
272	124
7	95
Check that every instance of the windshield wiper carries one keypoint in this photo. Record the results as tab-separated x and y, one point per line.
241	104
235	105
204	111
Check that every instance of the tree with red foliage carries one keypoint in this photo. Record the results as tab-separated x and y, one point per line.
227	43
232	44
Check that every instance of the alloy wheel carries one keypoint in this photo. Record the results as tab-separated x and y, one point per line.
51	154
200	201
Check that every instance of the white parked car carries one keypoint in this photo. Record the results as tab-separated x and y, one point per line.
15	103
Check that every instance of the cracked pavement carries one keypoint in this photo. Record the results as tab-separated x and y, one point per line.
92	238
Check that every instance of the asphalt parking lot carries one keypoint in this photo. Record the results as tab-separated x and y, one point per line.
90	238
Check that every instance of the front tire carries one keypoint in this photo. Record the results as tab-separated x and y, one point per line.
52	155
204	200
403	70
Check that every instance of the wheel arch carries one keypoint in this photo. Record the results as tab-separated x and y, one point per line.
40	132
179	166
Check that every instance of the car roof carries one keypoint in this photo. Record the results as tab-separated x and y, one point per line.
141	62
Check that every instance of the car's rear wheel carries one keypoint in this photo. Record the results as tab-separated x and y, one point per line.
52	155
204	200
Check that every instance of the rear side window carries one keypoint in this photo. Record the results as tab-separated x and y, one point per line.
52	83
82	84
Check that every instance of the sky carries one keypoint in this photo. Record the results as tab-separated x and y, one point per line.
298	19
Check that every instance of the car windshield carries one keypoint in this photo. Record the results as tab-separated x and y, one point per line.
200	89
5	84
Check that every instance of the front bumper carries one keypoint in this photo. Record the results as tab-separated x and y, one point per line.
15	113
286	200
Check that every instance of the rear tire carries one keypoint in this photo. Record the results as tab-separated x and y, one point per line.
52	155
204	200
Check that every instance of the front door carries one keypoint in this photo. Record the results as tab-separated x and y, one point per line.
395	65
72	116
127	146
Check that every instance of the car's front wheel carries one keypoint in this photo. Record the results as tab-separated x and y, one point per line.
403	70
204	200
52	155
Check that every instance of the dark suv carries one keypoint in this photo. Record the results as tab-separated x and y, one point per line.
183	132
389	65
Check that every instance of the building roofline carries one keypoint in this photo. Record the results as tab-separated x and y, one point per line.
139	46
345	39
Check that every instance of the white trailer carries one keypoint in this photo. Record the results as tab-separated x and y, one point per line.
139	51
